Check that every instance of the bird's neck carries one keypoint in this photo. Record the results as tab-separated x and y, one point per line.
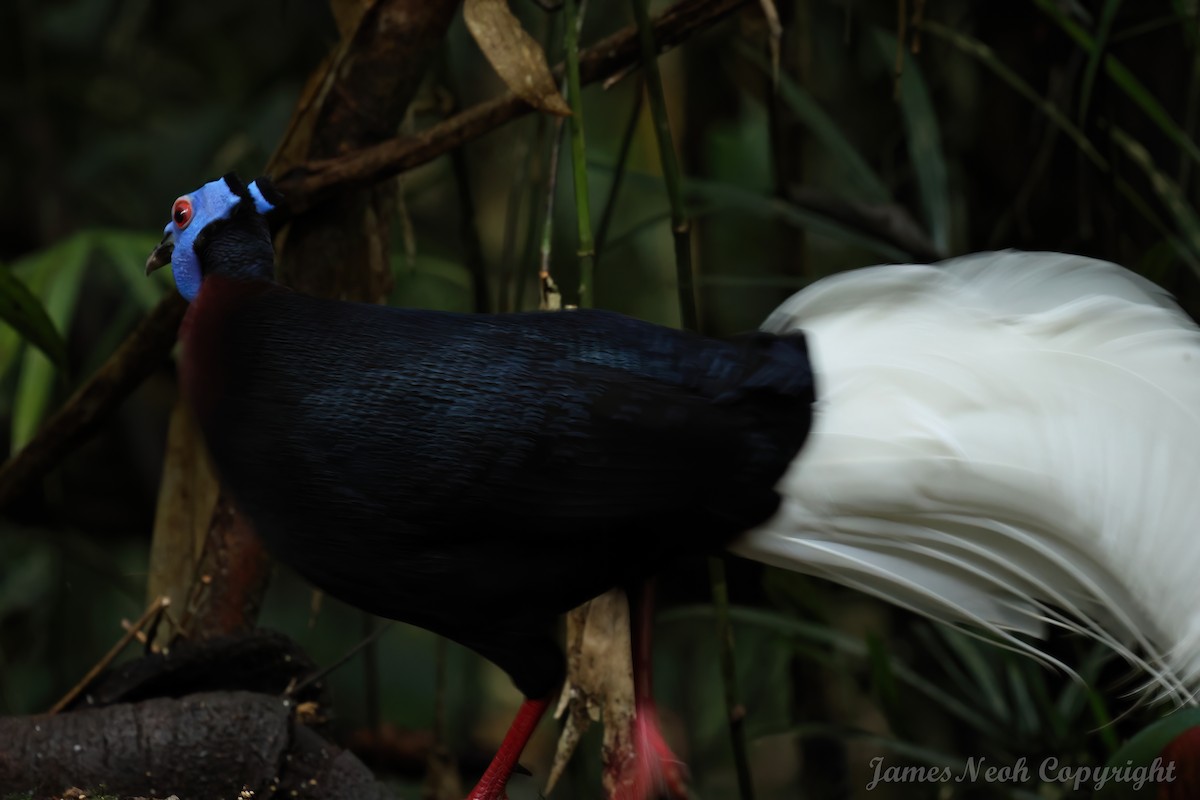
240	249
203	333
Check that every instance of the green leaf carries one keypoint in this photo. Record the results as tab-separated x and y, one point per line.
963	670
710	198
898	746
719	196
986	56
1157	263
883	683
1029	716
32	398
22	589
56	275
1140	204
426	281
924	143
1142	749
982	667
702	204
28	318
861	179
128	251
846	645
1134	89
1185	12
1186	220
1107	14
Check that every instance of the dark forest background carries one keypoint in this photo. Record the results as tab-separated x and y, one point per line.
891	131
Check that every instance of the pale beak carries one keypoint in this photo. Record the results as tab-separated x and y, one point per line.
162	254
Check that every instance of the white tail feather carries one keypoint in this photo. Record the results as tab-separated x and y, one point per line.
1008	440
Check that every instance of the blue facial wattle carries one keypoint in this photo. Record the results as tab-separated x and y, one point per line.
211	202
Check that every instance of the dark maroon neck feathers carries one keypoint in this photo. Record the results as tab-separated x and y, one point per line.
202	334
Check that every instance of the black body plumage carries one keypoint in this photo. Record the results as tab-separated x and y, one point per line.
479	474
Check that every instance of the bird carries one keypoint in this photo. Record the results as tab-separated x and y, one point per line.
995	441
475	475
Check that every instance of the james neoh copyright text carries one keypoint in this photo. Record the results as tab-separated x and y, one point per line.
1049	770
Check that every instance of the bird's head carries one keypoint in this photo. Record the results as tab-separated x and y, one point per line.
218	228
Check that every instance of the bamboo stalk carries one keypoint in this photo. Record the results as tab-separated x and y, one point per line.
549	298
689	317
735	711
587	248
610	203
672	176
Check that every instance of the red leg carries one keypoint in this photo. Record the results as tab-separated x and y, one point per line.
491	785
656	771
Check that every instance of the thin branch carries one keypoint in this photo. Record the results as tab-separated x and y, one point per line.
371	638
735	710
888	222
370	664
148	347
521	207
550	299
610	204
583	215
306	184
131	632
672	175
901	20
469	233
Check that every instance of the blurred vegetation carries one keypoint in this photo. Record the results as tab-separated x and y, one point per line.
1037	124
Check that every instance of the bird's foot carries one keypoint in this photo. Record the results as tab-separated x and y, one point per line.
654	771
492	785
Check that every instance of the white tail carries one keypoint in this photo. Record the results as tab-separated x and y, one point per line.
1010	440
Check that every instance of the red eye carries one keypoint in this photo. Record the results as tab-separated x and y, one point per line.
181	212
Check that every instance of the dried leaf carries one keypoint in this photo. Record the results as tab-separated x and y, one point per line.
515	55
599	685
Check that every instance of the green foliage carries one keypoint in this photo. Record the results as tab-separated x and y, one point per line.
1142	750
55	278
425	281
862	182
924	141
1122	77
26	316
1169	193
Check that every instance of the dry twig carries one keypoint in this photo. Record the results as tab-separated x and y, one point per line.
305	185
152	611
142	352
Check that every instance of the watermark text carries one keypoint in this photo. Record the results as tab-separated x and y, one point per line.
1049	770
